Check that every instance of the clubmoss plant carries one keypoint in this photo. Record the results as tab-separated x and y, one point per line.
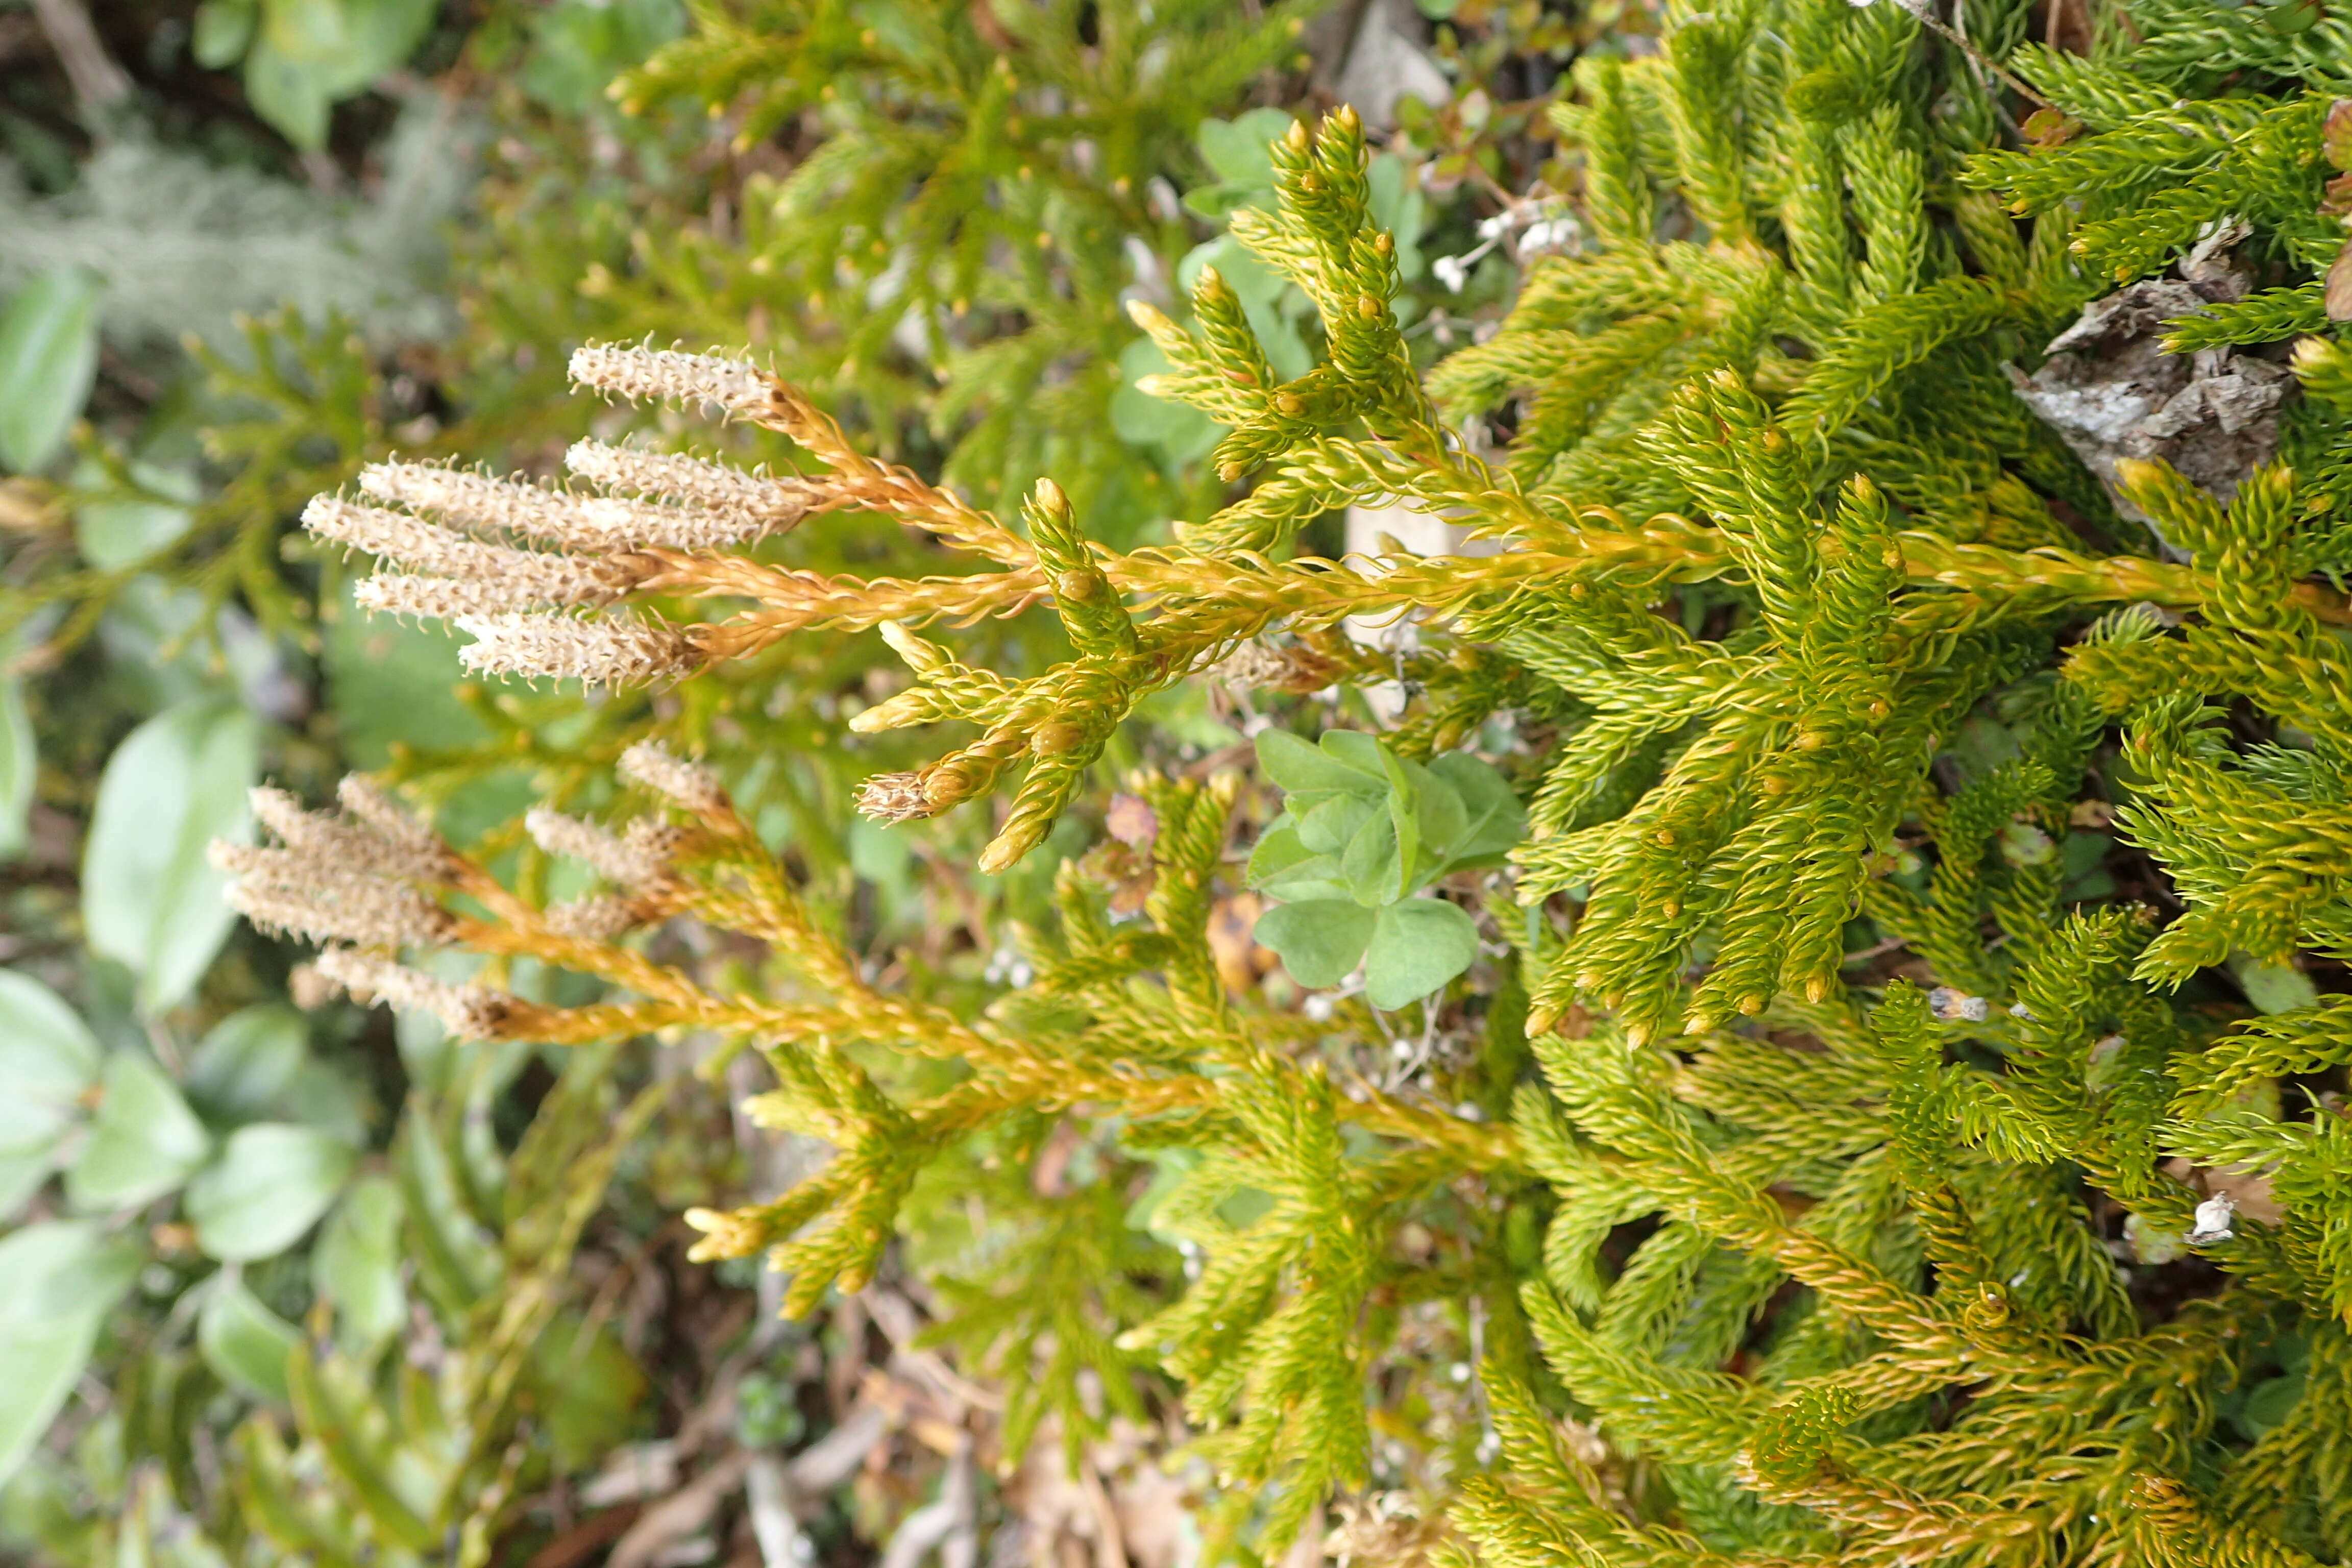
1828	1127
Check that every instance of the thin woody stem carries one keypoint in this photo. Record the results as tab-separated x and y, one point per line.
1923	12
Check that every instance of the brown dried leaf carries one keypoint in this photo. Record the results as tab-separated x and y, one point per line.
2111	390
2093	814
1388	1529
2249	1189
1128	873
1123	1510
2047	127
1240	960
1132	821
2336	136
29	506
685	1512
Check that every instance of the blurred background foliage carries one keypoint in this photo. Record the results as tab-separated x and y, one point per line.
283	1283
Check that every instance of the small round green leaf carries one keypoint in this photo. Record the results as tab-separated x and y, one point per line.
330	1099
1443	819
1495	821
1183	432
131	525
290	94
56	1269
245	1066
1363	752
2289	17
578	46
1417	946
22	1170
1241	149
315	32
1282	865
1332	824
145	1141
1300	768
384	34
1319	940
244	1342
391	686
224	28
2270	1402
2273	988
271	1184
1372	862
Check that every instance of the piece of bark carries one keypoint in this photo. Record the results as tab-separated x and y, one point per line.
2112	391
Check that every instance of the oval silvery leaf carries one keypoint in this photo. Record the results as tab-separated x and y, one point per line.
48	360
270	1185
151	896
49	1060
59	1279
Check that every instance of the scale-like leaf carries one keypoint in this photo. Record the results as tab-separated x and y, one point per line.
48	358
